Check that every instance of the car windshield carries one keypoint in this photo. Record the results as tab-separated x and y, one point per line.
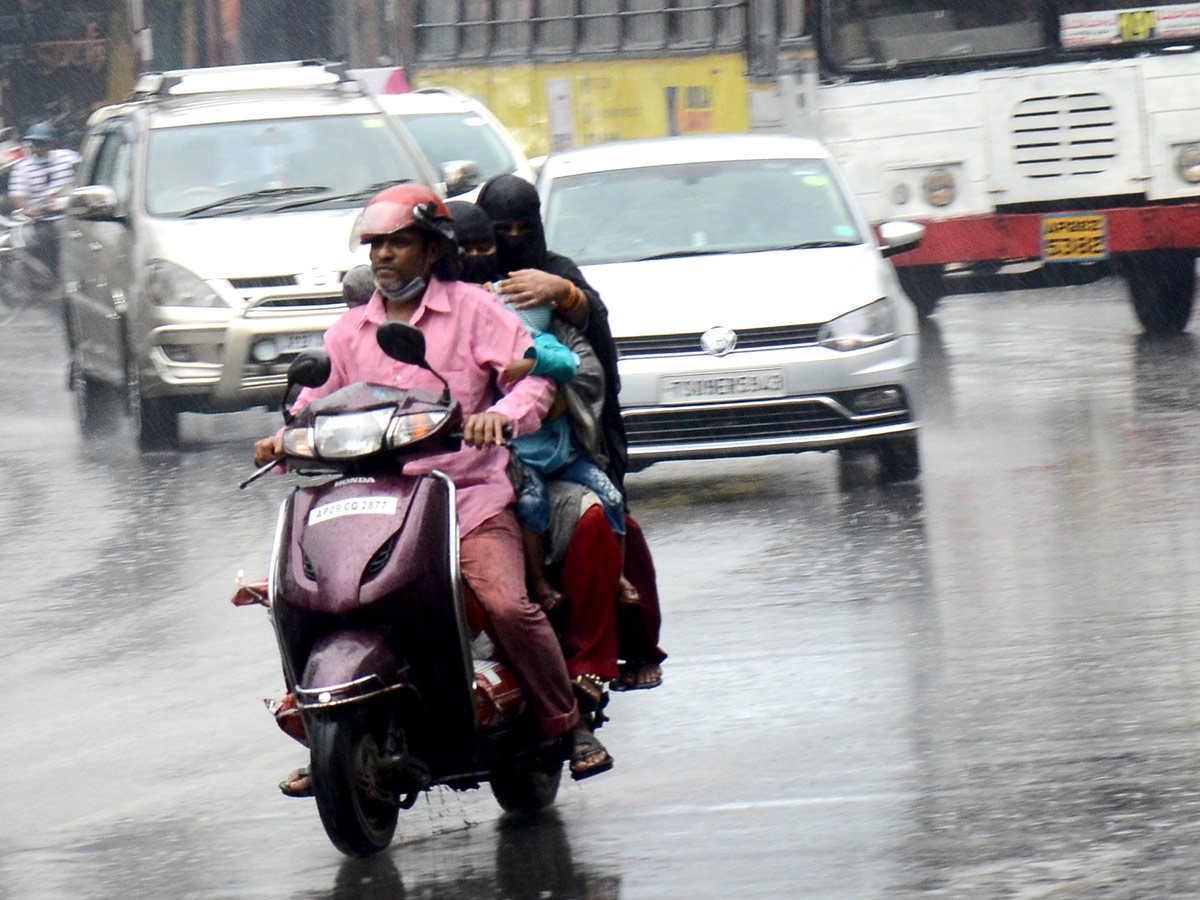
445	137
243	166
865	34
690	209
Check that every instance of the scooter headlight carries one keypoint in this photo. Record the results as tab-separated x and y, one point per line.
298	442
867	326
414	427
349	435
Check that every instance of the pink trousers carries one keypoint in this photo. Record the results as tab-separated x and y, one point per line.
493	563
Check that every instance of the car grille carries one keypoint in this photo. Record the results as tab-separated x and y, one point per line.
308	302
741	422
748	339
1062	136
268	281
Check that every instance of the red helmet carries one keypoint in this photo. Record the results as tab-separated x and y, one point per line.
403	206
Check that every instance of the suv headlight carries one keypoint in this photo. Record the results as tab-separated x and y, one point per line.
867	326
170	284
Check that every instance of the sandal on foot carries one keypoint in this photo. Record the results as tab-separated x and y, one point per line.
588	756
590	692
550	599
637	677
297	784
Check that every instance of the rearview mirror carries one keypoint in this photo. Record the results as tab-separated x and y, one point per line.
460	176
96	202
310	368
899	237
402	342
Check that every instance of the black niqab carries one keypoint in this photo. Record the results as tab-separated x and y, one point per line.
507	198
472	227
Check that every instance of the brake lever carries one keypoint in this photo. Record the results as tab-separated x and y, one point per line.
260	472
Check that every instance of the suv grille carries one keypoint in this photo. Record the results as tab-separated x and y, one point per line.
748	339
1062	136
268	281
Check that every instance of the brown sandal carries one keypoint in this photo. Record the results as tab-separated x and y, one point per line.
590	692
631	679
585	747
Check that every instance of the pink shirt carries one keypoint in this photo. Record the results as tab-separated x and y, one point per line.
469	338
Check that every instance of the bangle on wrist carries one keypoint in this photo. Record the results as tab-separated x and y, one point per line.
574	300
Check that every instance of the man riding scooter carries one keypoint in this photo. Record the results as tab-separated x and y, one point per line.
36	185
469	339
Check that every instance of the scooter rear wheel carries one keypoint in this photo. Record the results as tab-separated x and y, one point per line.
526	791
344	752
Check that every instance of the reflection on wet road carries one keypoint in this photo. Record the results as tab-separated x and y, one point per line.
982	685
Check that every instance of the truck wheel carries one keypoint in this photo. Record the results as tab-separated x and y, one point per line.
925	286
1162	286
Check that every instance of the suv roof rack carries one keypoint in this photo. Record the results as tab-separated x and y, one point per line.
248	77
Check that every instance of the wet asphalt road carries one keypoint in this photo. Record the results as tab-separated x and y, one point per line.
982	685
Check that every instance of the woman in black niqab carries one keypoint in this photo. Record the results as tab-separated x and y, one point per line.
532	274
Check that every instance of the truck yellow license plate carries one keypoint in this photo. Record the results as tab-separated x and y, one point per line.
1074	238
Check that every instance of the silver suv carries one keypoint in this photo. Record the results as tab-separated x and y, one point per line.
206	242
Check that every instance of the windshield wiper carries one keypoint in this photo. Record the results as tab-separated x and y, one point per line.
810	245
679	254
361	194
252	197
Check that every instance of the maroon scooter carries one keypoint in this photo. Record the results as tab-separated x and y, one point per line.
397	684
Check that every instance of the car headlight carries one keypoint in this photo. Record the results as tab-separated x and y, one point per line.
347	435
867	326
413	427
170	284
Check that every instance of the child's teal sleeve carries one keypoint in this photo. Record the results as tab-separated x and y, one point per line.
554	360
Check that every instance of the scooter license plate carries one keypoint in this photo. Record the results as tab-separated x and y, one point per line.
353	506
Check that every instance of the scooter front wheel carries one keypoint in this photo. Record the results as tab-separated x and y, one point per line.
344	757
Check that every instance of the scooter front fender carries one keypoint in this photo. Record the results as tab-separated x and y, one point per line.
348	667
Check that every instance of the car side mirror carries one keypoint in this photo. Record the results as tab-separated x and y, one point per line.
900	237
96	202
460	176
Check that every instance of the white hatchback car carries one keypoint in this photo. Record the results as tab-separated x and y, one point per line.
460	137
750	299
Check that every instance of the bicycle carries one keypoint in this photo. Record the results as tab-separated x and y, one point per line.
24	278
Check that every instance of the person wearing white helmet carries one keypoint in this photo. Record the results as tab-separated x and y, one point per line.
36	186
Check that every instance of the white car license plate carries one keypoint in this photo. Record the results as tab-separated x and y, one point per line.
307	340
710	387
